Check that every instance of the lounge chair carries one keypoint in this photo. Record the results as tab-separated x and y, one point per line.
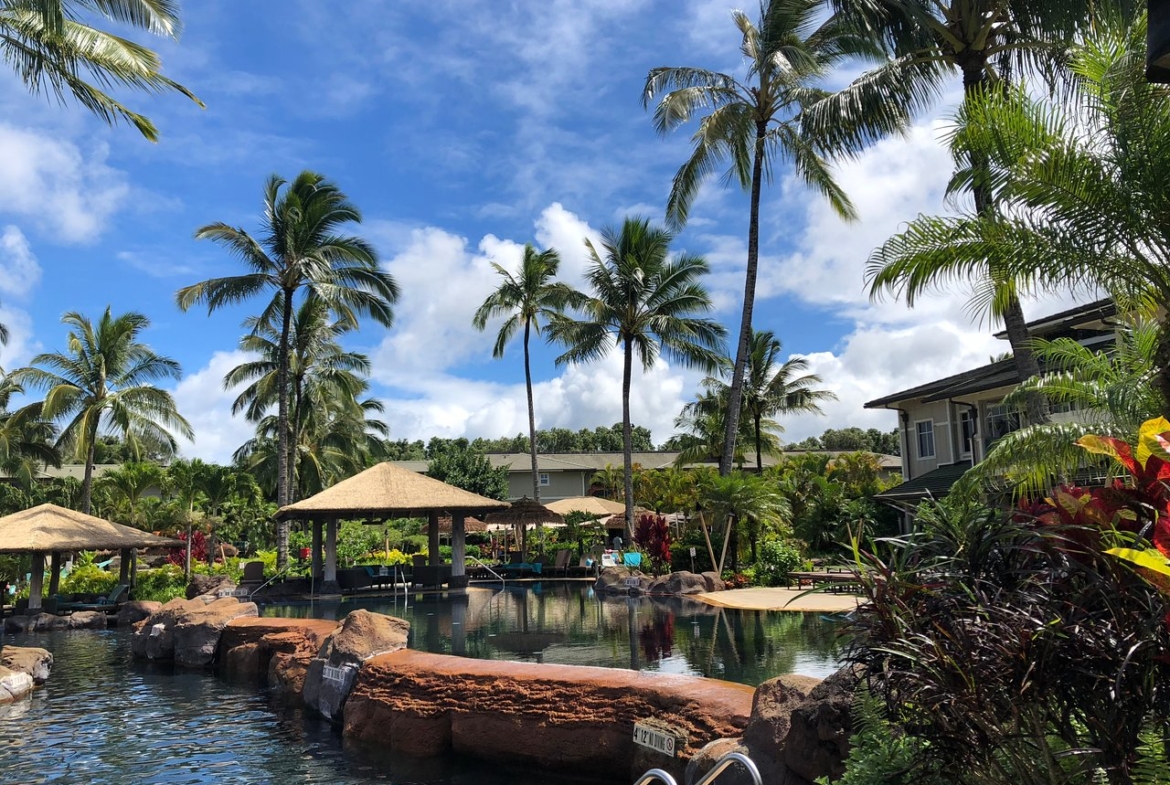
632	559
110	604
561	565
253	577
584	568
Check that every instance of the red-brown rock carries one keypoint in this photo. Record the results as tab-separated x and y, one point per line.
187	631
550	716
817	743
362	635
277	649
37	663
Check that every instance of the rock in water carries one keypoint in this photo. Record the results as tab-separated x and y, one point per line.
362	635
37	663
14	685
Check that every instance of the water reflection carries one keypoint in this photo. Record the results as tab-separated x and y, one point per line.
570	624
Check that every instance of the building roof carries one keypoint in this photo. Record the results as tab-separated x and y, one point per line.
1003	372
935	483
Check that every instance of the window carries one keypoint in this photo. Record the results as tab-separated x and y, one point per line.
1001	420
925	438
967	430
544	478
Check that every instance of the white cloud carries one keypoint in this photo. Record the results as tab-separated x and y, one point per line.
56	186
19	269
201	398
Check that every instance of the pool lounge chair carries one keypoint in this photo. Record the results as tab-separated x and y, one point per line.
109	604
561	565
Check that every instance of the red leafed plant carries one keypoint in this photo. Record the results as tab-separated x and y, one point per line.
178	556
652	535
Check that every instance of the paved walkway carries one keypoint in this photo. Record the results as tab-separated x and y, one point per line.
762	598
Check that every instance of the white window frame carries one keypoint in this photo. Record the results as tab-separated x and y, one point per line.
918	434
968	418
544	479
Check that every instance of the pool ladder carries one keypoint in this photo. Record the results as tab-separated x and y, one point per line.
724	763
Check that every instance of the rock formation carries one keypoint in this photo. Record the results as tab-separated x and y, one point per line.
362	635
187	631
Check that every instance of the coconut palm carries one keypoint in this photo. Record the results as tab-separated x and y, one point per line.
643	302
985	42
769	391
300	251
704	420
26	439
746	500
104	382
54	50
780	113
319	370
525	299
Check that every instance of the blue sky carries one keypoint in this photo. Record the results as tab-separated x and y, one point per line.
462	130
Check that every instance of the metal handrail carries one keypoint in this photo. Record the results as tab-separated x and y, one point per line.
280	574
723	763
720	766
499	577
656	774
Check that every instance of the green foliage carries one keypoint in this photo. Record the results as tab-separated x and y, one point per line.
162	584
88	579
880	753
853	438
454	462
777	558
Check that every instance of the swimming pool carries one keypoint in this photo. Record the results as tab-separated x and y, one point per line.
568	623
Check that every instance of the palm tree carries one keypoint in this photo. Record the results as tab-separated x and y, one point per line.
319	371
746	499
300	251
645	302
768	391
779	113
105	382
53	51
524	299
984	41
26	439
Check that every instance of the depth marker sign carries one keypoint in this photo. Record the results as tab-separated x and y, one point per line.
654	739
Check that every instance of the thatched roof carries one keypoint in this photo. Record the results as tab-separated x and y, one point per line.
525	512
48	528
592	505
388	490
469	525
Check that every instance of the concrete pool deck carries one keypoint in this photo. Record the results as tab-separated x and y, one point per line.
763	598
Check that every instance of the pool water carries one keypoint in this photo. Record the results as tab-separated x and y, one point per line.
105	719
570	624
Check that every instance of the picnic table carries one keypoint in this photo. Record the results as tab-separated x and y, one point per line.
839	579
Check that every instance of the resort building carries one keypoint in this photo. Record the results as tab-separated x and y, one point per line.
947	425
568	475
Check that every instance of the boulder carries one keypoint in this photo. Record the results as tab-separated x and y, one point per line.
14	685
187	631
201	585
362	635
277	651
135	611
43	622
817	743
622	580
534	715
708	756
713	581
684	582
772	713
35	662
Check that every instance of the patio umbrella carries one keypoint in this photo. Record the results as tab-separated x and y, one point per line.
523	513
591	505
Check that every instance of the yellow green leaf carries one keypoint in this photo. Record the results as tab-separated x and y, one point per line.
1148	558
1152	440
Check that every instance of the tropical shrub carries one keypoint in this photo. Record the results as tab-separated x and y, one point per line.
777	559
165	583
178	556
88	579
652	535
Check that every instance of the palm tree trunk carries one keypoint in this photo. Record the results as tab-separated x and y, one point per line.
759	458
735	394
531	415
295	427
87	481
1035	405
282	526
627	436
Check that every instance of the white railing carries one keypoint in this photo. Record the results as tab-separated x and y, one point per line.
720	766
499	577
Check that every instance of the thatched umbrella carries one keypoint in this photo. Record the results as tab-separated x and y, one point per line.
522	514
389	491
591	505
48	528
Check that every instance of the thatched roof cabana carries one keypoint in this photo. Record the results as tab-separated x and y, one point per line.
469	525
389	491
48	528
385	491
525	512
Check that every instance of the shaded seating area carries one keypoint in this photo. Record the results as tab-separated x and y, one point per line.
379	493
110	603
52	531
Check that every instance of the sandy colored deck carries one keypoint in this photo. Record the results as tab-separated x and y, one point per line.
762	598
